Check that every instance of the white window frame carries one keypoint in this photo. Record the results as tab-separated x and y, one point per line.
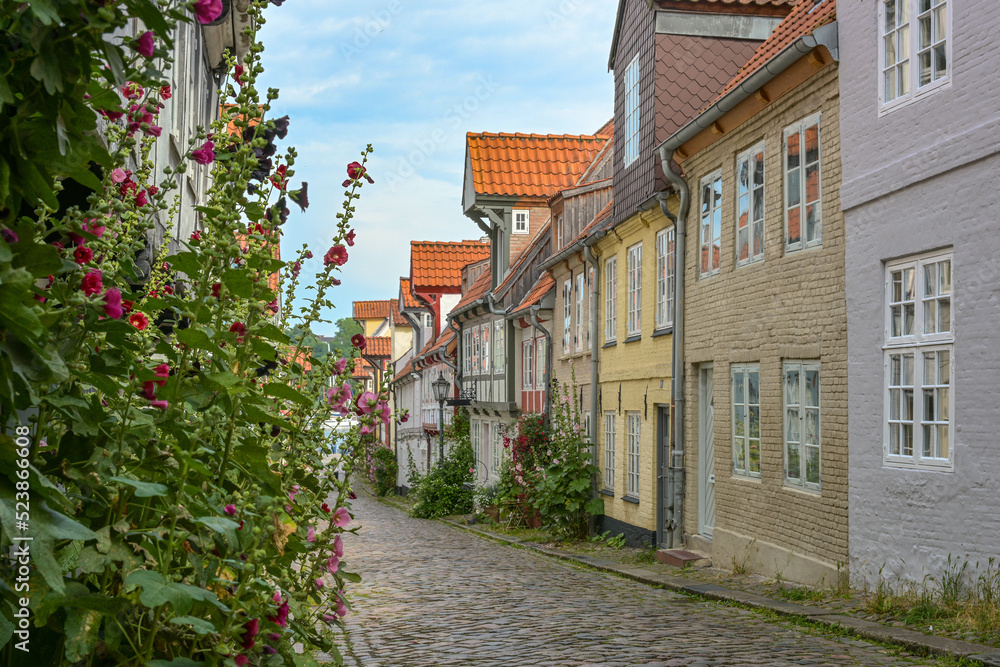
477	350
487	446
740	402
634	321
666	275
798	409
907	35
497	440
541	359
609	450
487	352
591	305
799	182
710	227
580	293
924	392
520	221
527	367
467	352
567	294
474	427
630	83
747	198
499	351
633	430
611	299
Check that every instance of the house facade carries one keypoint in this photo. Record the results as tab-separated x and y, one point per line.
920	176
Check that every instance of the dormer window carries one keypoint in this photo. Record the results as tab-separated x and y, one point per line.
521	222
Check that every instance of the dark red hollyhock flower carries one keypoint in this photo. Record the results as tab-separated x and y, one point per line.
205	154
240	330
82	255
216	290
301	197
92	283
336	282
132	91
275	431
278	177
281	127
165	92
145	44
355	172
350	238
335	255
138	320
250	630
238	75
352	495
358	341
196	235
111	115
127	305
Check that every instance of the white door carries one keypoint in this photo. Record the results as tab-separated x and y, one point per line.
706	453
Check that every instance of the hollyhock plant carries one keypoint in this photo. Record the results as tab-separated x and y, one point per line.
338	547
365	401
239	329
301	197
118	175
250	630
335	255
205	154
311	534
355	172
92	283
358	341
145	44
113	303
165	92
138	320
333	563
339	366
341	517
82	255
207	11
238	75
230	509
384	412
350	238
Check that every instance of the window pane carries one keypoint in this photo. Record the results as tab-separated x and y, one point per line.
895	370
894	399
925	68
794	225
812	389
758	204
903	78
894	439
813	227
812	183
908	319
758	237
943	408
928	415
753	388
758	169
812	427
906	437
890	84
754	456
907	405
794	193
930	365
743	244
738	387
740	417
792	420
943	443
890	15
812	465
940	23
907	370
792	386
944	367
925	31
812	144
754	425
793	151
794	465
743	177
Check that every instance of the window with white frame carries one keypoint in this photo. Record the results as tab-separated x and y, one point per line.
631	85
746	420
665	276
611	299
560	232
474	429
609	451
520	222
633	422
487	455
803	187
527	368
711	224
904	77
467	352
580	292
750	206
634	258
477	348
497	440
591	306
541	360
499	352
487	351
567	314
919	363
802	434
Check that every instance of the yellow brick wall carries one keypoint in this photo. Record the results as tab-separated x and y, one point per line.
790	306
639	370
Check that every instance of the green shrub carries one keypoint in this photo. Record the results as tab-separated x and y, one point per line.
385	471
447	488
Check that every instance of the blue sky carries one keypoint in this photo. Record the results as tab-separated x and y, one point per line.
411	78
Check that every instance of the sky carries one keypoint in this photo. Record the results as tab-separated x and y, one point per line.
411	77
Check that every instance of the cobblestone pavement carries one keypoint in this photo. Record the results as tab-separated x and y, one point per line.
435	595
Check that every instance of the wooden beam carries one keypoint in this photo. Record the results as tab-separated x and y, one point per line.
762	96
815	58
717	129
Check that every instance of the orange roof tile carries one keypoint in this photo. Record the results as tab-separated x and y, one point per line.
543	286
378	346
407	368
775	3
803	19
397	318
607	130
371	310
362	370
443	340
437	265
477	291
529	165
409	301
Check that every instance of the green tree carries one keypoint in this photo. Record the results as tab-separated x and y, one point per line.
346	327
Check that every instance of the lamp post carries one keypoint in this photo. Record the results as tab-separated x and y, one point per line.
440	387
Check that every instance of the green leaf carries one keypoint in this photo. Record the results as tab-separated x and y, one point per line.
113	55
254	414
156	592
253	211
45	12
143	489
37	186
217	523
6	630
45	68
220	380
279	390
186	262
148	13
200	626
92	562
350	576
176	662
272	332
81	633
238	282
197	338
305	660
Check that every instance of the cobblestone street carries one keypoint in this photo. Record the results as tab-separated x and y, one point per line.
435	595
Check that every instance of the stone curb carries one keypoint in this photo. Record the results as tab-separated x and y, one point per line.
911	640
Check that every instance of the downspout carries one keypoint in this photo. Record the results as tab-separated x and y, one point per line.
458	354
595	418
533	311
676	477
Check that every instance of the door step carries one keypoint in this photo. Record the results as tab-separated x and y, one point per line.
681	558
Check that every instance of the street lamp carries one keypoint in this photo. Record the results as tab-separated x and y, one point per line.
440	387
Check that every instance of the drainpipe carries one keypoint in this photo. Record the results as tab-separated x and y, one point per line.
548	359
676	476
458	353
595	418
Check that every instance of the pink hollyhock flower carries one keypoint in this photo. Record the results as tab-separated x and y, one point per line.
162	405
338	547
205	154
294	492
296	267
358	341
132	90
153	131
281	619
230	509
165	92
341	607
385	412
138	320
341	517
366	429
273	306
196	235
340	365
339	397
241	660
96	230
365	402
207	11
355	172
276	597
328	618
250	630
118	175
10	236
113	303
332	564
239	329
144	44
82	255
162	371
92	283
336	255
311	534
318	584
350	238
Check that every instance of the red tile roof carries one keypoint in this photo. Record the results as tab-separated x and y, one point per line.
803	19
409	301
362	369
371	310
607	130
529	165
397	319
477	291
437	265
775	3
543	286
378	346
405	370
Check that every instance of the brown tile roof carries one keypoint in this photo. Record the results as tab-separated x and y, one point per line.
515	270
437	265
529	165
378	346
397	318
803	19
402	372
409	301
477	291
762	3
362	369
371	310
543	286
607	130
